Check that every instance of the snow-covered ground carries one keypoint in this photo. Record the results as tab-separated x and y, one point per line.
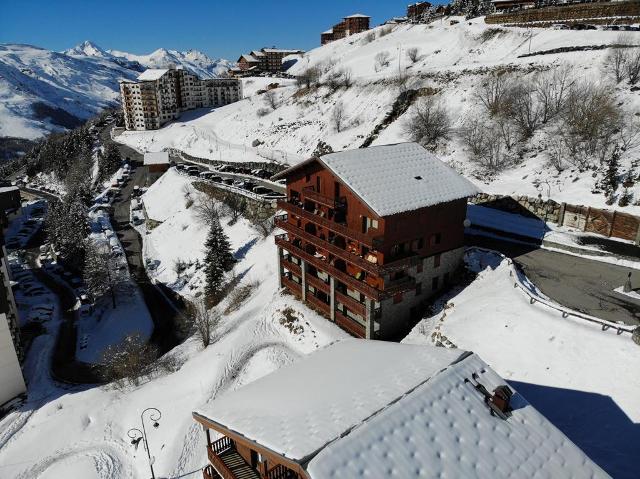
576	374
86	430
453	61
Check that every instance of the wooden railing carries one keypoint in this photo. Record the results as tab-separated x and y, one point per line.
291	266
292	285
318	283
310	193
318	303
219	465
353	283
221	445
351	303
331	225
350	325
281	472
360	262
210	473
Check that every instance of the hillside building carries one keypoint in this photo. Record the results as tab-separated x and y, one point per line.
161	95
375	409
350	25
266	60
371	234
11	354
502	6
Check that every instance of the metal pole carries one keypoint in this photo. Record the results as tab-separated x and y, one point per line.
146	444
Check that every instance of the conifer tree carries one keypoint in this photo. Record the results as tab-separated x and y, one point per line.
611	177
218	259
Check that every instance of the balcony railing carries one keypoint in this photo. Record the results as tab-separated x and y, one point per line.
350	325
318	283
281	472
318	303
292	285
227	462
291	266
351	303
369	241
349	280
310	193
359	261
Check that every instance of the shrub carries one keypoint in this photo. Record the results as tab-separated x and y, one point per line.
413	54
429	123
128	362
382	60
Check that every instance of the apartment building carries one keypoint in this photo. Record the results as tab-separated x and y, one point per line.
265	60
350	25
375	409
11	354
417	10
161	95
371	234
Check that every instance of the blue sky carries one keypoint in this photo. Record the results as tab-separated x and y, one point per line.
218	28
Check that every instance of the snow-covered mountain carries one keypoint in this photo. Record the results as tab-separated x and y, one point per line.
193	60
43	91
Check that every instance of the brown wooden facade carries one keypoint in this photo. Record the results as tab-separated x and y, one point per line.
348	26
350	264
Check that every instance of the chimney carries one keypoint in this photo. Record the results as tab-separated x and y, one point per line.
501	398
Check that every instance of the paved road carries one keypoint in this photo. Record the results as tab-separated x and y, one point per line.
577	283
166	314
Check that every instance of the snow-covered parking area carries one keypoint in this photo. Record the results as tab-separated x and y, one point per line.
580	377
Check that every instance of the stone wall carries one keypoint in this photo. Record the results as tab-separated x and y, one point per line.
624	12
522	205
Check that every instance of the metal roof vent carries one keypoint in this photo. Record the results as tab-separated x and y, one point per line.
418	177
499	402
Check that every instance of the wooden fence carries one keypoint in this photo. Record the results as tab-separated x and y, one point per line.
612	224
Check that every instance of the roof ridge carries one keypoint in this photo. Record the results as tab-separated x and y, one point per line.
309	457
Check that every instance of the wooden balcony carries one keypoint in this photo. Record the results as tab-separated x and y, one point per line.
323	307
349	280
404	284
227	462
318	284
350	325
360	262
291	266
352	304
368	241
281	472
294	287
310	193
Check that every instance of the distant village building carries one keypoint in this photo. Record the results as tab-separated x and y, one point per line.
12	381
157	162
161	95
375	409
502	6
371	234
266	60
348	26
417	10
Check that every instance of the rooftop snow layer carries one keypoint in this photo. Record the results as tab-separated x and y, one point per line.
358	15
444	429
156	158
396	178
152	74
301	408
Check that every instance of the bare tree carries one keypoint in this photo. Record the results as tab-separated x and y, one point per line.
102	271
207	209
632	65
339	79
338	116
270	97
429	123
382	60
551	91
495	94
525	110
614	64
309	77
129	361
204	321
236	205
557	154
413	54
486	145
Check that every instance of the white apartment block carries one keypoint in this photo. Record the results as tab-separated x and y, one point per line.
160	95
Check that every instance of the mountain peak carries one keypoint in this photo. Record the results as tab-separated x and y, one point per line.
88	49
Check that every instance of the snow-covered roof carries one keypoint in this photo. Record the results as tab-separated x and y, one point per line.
361	408
7	189
302	407
392	179
358	15
152	74
249	58
156	158
280	50
327	32
257	53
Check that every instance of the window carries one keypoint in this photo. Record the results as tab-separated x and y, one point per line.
436	260
434	284
435	239
397	298
418	289
374	224
308	178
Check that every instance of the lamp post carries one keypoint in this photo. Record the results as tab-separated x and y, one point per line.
137	435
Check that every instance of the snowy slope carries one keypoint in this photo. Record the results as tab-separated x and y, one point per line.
453	61
43	91
572	371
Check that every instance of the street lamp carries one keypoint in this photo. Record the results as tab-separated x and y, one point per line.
136	435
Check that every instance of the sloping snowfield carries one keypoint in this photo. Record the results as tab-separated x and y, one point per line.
453	61
578	376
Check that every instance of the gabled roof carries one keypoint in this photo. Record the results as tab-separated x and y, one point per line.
257	53
152	74
392	179
362	408
281	50
249	58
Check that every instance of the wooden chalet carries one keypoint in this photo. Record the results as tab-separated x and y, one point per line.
370	234
384	410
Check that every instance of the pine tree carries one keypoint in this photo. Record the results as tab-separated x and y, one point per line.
610	182
218	259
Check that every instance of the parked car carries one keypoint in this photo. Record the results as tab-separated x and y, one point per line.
216	179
